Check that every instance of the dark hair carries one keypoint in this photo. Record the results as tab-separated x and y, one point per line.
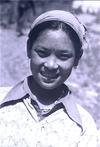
55	25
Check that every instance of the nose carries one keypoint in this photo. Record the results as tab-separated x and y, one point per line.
51	63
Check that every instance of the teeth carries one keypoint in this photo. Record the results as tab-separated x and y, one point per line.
49	75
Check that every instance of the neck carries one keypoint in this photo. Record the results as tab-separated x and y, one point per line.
45	96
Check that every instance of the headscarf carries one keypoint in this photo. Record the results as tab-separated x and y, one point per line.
63	16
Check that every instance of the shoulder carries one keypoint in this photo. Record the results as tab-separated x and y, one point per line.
84	114
13	115
3	92
13	119
89	134
11	109
87	119
15	93
12	106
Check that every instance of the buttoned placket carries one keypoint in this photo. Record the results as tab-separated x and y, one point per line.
43	127
40	125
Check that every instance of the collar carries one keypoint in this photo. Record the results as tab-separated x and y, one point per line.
22	90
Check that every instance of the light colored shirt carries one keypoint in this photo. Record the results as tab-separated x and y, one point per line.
21	127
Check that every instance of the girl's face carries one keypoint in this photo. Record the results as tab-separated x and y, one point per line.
52	58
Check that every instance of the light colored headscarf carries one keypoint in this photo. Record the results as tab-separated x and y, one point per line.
63	16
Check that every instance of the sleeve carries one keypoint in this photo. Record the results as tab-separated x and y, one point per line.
89	135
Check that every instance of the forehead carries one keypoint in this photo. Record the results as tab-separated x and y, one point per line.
54	39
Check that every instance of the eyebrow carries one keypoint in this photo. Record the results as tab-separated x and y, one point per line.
64	51
60	51
43	48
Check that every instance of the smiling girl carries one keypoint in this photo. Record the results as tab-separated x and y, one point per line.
39	111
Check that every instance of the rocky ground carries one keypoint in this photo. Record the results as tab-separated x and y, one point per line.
85	80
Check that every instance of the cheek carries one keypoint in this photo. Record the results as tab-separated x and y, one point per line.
34	59
67	65
35	63
65	73
66	69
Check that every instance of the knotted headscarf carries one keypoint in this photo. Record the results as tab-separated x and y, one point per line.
63	16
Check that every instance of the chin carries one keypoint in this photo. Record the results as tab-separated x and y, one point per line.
48	86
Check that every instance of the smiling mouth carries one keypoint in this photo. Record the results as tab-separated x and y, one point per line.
49	75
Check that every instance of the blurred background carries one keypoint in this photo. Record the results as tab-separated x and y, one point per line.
16	17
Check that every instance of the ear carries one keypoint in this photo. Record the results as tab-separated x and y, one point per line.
78	58
28	49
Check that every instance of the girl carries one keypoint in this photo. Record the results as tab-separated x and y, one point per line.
40	111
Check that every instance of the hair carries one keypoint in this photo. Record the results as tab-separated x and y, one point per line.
56	25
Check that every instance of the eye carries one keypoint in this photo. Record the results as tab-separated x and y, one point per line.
42	53
65	56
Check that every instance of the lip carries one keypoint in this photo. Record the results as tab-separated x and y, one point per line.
49	75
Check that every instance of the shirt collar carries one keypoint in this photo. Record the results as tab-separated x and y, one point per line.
22	90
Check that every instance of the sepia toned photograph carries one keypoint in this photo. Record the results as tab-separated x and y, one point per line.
49	73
